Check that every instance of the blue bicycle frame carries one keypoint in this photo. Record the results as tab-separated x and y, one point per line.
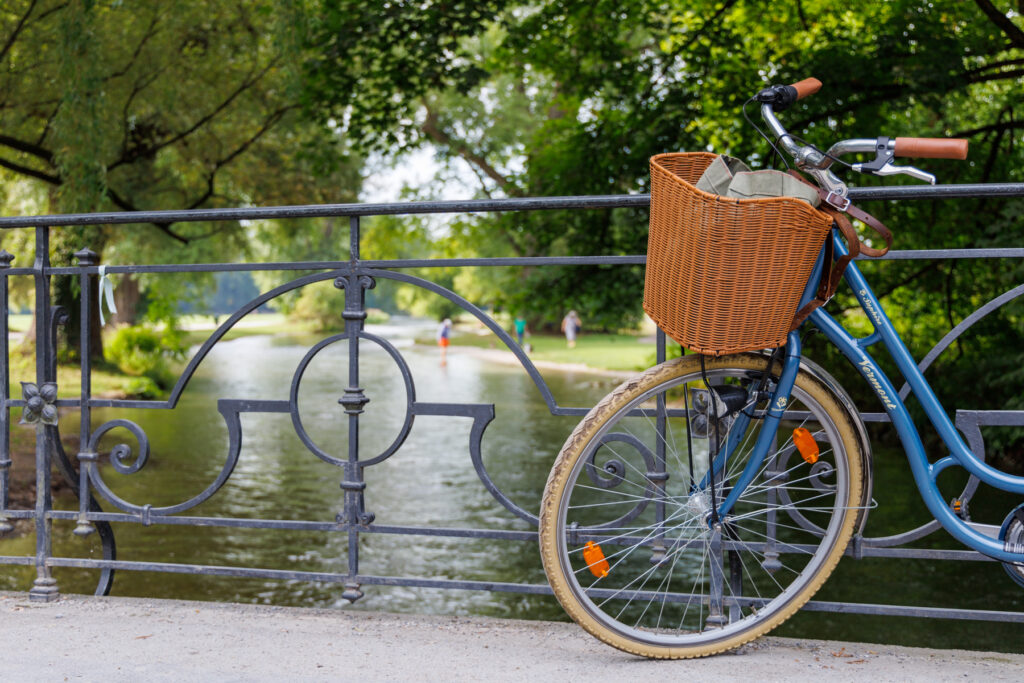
855	349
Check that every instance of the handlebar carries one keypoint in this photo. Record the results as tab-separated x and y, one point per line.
931	148
806	87
777	98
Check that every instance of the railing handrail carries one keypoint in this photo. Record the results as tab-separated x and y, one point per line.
465	206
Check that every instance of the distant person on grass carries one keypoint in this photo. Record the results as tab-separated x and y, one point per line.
571	325
444	336
520	326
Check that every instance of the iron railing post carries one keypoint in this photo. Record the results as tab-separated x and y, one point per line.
5	396
86	455
44	588
353	400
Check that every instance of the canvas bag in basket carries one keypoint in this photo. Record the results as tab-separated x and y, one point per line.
725	275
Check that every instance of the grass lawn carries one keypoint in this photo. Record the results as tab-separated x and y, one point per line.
19	322
107	381
604	351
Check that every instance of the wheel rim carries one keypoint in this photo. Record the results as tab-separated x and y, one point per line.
660	586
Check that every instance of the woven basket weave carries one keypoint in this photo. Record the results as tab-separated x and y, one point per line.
725	275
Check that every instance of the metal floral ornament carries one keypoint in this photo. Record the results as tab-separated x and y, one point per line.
40	405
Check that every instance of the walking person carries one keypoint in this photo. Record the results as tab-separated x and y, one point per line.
444	335
520	326
571	325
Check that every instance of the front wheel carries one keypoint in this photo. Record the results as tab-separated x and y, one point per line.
628	539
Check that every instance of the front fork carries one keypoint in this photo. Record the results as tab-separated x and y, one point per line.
766	437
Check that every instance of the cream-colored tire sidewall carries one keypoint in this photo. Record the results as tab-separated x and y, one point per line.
576	445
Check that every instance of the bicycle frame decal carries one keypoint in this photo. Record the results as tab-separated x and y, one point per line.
867	369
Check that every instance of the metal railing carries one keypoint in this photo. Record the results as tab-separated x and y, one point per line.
39	403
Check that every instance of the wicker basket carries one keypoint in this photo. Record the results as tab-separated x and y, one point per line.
725	275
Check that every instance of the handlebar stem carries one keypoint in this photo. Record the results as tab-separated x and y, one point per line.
807	158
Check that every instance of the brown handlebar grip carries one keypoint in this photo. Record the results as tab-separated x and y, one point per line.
806	87
931	148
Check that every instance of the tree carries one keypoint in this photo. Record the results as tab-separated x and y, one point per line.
113	105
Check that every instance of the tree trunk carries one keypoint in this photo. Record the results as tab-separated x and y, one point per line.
127	297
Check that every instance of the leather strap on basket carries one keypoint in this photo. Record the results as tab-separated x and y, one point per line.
834	270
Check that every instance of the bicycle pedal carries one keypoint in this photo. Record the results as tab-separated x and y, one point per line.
960	509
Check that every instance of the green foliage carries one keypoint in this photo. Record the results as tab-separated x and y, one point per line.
320	306
147	352
375	61
125	106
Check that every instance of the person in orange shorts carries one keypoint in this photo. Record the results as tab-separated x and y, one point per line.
444	335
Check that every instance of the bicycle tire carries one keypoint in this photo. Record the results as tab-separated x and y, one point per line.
810	546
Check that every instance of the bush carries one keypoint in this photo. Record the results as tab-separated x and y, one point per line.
320	307
147	352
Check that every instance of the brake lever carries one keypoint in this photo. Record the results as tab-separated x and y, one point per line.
889	169
880	166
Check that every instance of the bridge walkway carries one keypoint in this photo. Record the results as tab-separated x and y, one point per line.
132	639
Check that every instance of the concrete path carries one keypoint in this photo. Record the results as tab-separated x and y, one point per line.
82	638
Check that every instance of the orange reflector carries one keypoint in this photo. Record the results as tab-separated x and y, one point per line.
806	444
594	557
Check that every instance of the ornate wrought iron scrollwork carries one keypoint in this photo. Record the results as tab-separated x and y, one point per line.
120	455
778	475
819	470
612	473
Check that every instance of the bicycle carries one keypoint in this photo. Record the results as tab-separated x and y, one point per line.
704	501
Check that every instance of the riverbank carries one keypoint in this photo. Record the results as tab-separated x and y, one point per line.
619	353
506	357
132	639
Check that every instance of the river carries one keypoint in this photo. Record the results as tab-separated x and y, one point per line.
431	481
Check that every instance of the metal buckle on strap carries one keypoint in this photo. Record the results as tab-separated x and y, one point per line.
837	201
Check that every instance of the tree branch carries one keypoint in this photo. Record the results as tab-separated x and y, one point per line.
483	184
1005	24
199	123
998	76
27	147
49	122
271	121
434	131
995	127
994	65
800	13
150	32
165	228
137	87
696	36
30	172
17	29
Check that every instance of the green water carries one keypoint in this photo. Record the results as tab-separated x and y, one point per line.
431	482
